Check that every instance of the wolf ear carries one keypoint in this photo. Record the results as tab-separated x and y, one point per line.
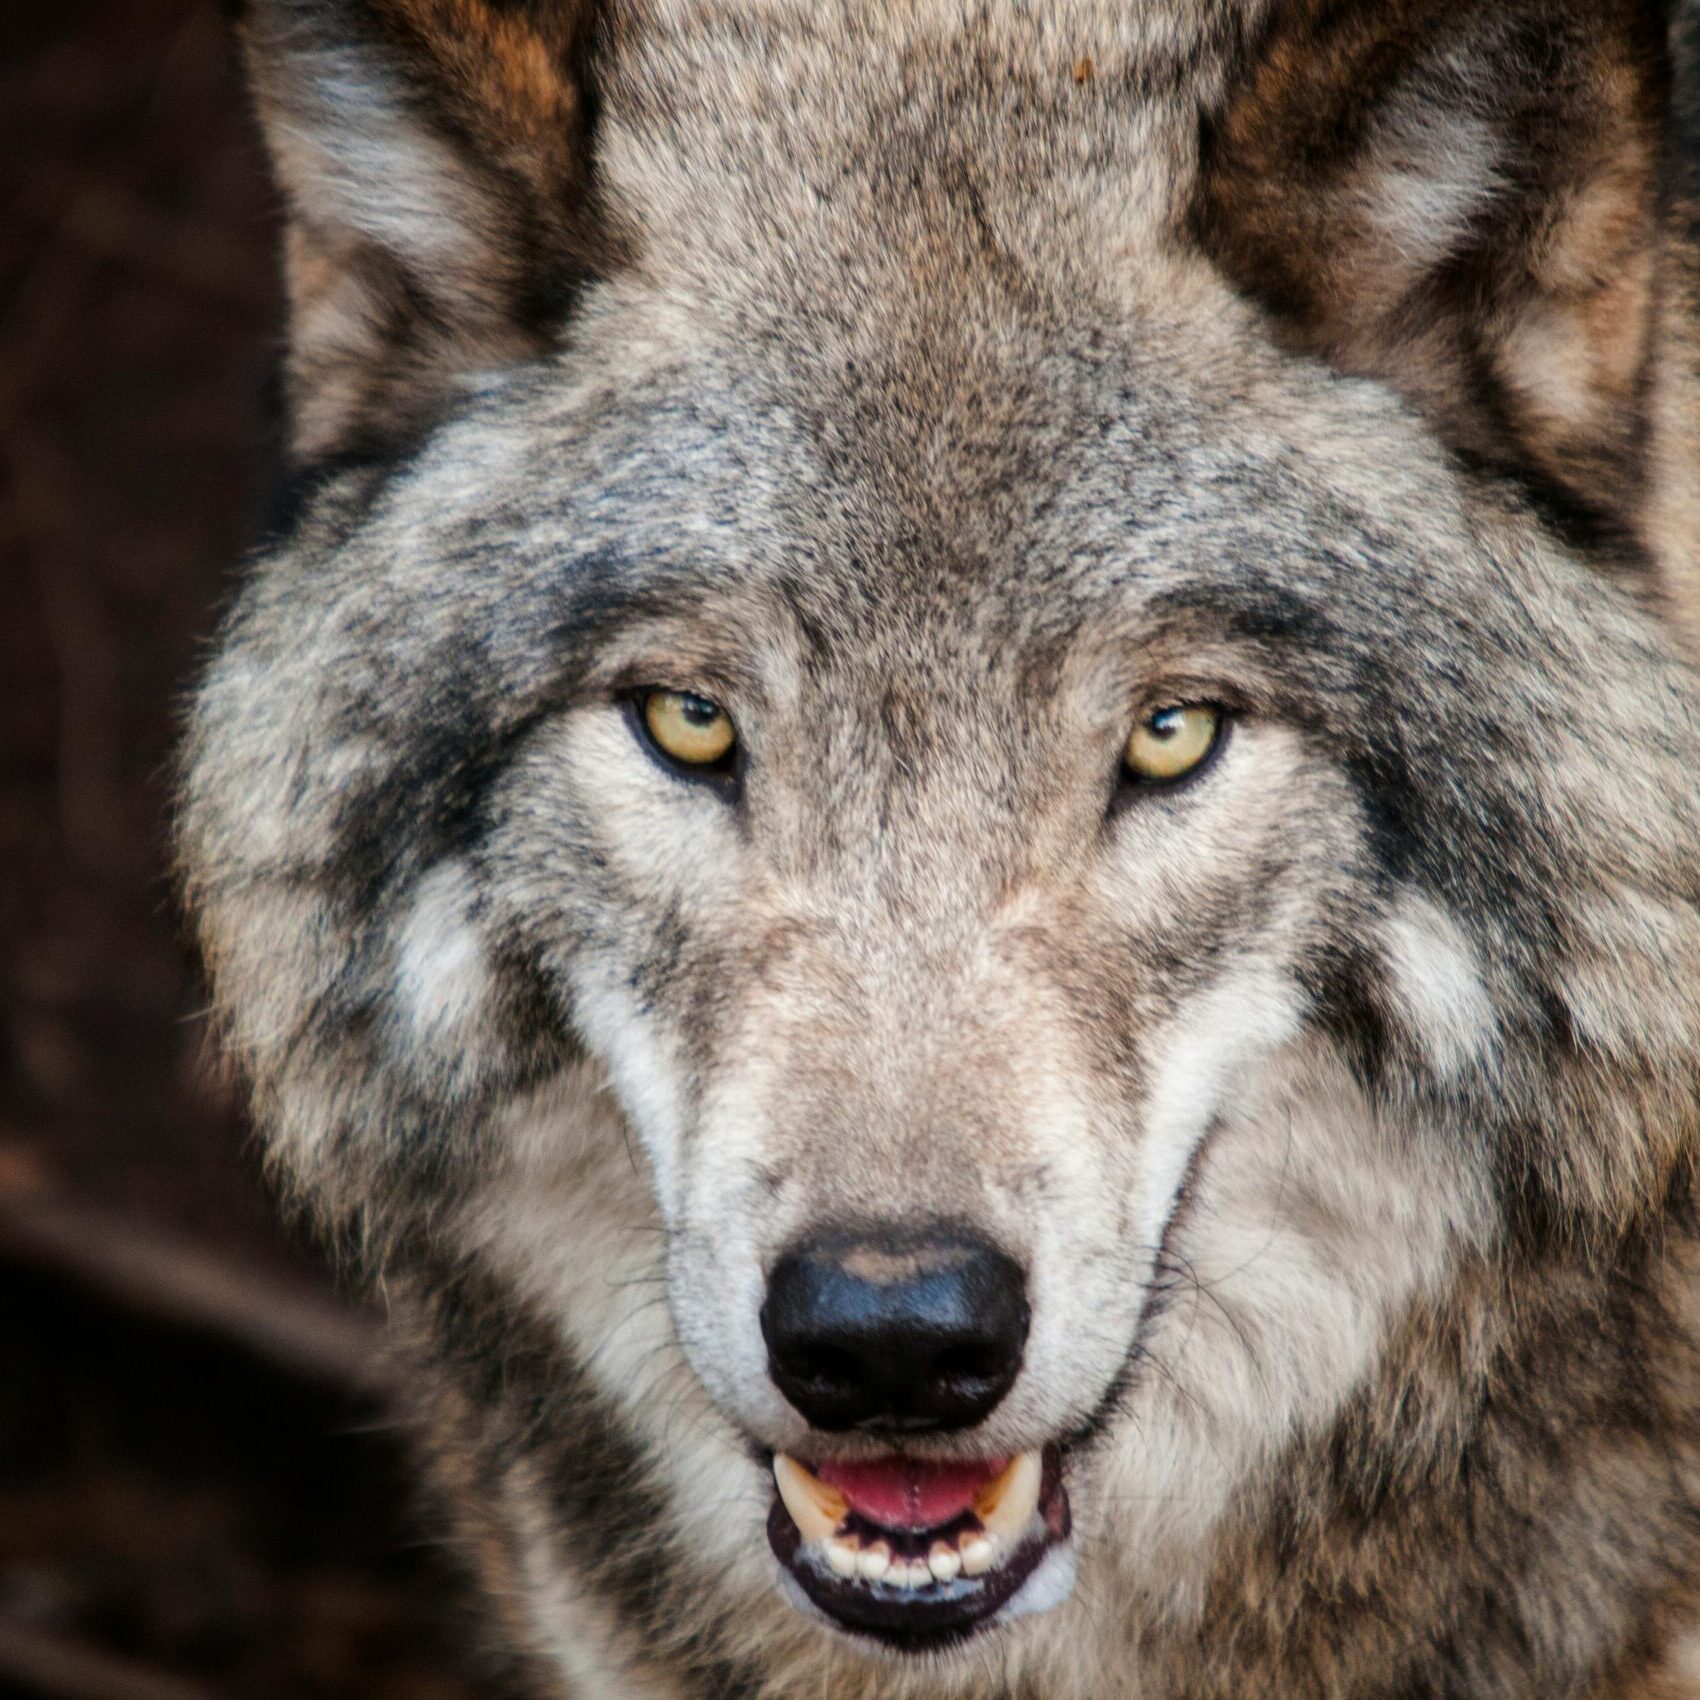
434	157
1466	200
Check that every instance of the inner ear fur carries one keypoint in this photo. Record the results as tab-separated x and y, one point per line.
435	162
1471	201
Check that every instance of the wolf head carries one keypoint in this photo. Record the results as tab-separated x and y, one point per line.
994	694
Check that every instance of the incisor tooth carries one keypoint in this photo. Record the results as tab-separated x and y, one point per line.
1004	1506
841	1557
978	1555
873	1562
815	1508
944	1561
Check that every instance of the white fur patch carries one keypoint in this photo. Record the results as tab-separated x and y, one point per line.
1217	1038
1437	977
442	968
1434	166
644	1075
1047	1587
1427	207
352	151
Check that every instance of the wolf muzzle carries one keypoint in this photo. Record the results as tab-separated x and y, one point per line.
897	1331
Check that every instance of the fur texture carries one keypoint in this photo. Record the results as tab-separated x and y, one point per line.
940	389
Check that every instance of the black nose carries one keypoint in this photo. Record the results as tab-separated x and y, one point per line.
900	1330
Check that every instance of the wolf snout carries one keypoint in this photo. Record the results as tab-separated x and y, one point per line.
897	1330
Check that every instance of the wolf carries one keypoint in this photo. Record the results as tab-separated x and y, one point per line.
957	826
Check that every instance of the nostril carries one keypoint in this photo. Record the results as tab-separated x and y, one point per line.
825	1366
969	1363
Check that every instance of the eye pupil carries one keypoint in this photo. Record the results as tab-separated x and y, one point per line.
698	710
1166	723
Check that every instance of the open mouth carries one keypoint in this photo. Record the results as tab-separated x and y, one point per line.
918	1554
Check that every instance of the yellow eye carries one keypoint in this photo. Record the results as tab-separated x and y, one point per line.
689	728
1171	742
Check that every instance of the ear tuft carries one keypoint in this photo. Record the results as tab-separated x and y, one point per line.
435	157
1466	200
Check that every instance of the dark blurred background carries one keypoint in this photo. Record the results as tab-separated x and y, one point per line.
199	1494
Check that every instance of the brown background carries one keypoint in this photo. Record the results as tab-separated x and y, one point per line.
198	1493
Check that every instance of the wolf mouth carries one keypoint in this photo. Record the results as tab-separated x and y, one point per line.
915	1554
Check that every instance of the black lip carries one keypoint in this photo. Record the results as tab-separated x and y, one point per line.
940	1615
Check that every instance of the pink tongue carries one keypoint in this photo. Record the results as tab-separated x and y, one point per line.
905	1493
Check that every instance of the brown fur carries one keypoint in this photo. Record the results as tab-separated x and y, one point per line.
1527	302
499	93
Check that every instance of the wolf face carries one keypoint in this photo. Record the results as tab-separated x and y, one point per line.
971	875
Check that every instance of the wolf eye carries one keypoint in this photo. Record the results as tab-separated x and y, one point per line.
688	728
1171	742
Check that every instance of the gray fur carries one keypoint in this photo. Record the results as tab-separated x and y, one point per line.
1332	1101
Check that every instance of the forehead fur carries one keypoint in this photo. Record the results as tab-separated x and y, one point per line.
1038	147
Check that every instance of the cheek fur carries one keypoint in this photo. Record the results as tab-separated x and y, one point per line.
1213	1043
1435	974
645	1068
1311	1229
444	983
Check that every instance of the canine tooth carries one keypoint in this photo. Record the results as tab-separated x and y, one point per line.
815	1508
873	1562
841	1556
944	1561
978	1555
1005	1506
